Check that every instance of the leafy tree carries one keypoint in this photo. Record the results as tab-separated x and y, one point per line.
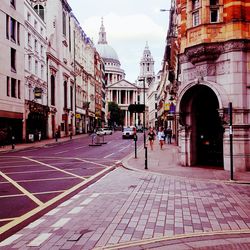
116	116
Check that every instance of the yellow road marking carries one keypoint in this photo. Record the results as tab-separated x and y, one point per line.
20	188
60	170
8	219
98	164
24	217
38	193
39	171
48	179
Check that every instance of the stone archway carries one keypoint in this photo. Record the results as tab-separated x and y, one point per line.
201	136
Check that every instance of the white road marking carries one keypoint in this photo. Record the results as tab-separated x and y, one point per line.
35	223
66	203
54	211
10	240
87	201
75	210
94	195
61	152
39	240
61	222
80	147
108	156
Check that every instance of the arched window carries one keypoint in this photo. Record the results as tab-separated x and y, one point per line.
52	83
39	9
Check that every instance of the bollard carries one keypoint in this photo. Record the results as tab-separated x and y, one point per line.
13	142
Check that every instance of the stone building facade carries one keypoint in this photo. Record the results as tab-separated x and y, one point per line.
214	71
11	71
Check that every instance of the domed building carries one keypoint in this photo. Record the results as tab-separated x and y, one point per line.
118	89
113	71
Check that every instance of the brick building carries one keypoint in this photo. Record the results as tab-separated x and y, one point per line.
214	71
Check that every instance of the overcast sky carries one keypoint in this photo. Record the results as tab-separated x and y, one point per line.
129	24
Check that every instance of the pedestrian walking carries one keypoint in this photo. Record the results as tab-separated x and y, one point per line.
169	135
161	137
151	137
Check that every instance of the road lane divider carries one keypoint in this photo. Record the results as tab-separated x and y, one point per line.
50	166
22	221
107	156
23	190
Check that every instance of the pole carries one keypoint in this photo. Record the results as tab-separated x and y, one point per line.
144	122
231	140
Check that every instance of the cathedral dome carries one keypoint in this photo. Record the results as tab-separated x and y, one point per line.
107	52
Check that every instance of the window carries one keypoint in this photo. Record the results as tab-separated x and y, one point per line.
39	9
52	83
29	63
18	33
35	24
65	94
195	4
13	3
28	16
13	29
29	39
214	2
42	71
19	89
64	23
36	67
13	87
35	45
71	97
41	31
8	86
7	26
214	15
196	18
41	51
13	59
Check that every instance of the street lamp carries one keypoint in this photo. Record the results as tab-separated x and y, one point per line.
144	121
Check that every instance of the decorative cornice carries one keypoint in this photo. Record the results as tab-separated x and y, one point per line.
211	51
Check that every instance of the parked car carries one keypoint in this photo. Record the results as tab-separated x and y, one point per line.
104	131
107	131
128	132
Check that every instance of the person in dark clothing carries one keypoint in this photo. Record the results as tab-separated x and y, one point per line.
151	138
169	135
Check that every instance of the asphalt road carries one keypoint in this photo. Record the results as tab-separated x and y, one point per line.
34	178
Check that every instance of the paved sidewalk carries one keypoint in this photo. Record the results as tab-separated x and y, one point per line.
164	207
20	146
166	162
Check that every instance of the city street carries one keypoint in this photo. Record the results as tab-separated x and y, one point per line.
35	179
130	209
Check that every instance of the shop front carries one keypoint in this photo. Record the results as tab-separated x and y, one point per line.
11	127
36	121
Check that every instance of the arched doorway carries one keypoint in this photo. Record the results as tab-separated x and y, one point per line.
199	108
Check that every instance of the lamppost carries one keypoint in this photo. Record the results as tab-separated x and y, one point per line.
144	123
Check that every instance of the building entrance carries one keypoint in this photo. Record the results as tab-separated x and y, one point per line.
200	104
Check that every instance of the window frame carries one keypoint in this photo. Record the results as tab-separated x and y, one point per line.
13	59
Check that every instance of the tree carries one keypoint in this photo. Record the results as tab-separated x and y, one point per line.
116	114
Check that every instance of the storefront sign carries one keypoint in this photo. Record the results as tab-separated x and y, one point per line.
78	116
167	106
38	93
